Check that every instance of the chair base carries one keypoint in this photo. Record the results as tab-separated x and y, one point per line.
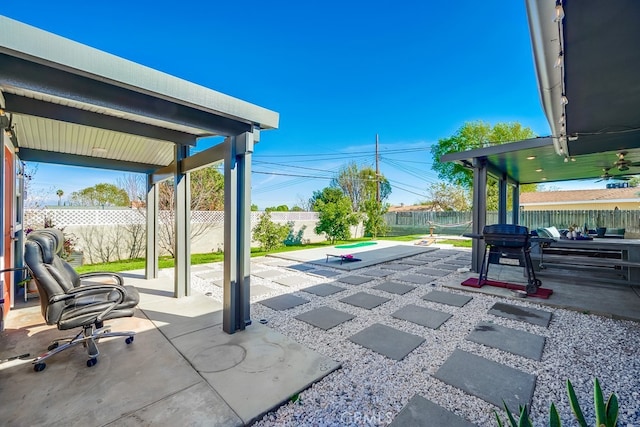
88	337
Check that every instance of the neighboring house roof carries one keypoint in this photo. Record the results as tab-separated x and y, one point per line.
605	195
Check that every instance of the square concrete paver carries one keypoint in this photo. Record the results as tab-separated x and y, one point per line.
422	316
488	380
283	302
387	341
433	272
364	300
253	370
376	272
524	314
355	280
420	412
512	340
259	290
416	278
325	317
268	274
300	267
292	281
394	288
397	267
447	298
211	275
445	266
411	261
323	289
324	273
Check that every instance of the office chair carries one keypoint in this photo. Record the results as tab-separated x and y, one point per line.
70	300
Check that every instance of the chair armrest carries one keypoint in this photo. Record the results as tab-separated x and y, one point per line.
109	274
85	290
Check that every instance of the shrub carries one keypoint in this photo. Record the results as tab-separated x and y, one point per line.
270	235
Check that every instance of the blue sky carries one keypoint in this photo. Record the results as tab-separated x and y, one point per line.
338	73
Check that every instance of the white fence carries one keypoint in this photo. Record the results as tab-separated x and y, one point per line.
112	233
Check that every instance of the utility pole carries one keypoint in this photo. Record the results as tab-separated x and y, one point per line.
377	172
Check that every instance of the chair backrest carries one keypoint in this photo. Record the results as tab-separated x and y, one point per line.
53	275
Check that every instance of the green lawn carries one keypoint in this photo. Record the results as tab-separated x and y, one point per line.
168	262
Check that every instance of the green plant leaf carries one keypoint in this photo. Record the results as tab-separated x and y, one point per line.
575	405
498	420
598	400
512	420
612	410
524	420
554	417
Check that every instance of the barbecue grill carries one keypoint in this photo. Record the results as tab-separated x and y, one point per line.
508	241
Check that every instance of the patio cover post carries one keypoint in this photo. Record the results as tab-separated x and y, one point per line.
182	246
479	213
237	233
515	204
151	262
502	199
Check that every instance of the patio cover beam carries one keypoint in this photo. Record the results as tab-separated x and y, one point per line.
151	261
31	155
182	211
34	107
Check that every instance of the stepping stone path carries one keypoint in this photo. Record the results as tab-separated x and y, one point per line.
387	341
514	341
291	280
396	267
410	261
447	298
268	274
416	278
524	314
355	280
488	380
324	273
300	267
364	300
212	275
419	412
422	316
258	290
433	272
376	272
394	288
283	302
445	266
323	289
325	317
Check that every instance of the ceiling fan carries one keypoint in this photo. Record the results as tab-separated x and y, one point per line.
607	176
623	164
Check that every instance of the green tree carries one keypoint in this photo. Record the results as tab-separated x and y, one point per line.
279	208
59	193
359	184
101	195
335	214
296	208
472	135
374	223
448	197
270	235
254	207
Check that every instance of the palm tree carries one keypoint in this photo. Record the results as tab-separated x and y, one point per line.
59	193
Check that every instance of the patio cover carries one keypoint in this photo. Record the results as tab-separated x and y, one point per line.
66	103
586	58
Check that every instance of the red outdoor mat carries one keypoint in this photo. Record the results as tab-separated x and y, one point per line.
540	293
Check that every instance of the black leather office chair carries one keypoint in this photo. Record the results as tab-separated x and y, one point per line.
71	301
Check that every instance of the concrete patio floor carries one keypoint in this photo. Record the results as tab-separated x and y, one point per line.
183	370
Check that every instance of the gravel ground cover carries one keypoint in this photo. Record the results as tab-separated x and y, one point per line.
371	389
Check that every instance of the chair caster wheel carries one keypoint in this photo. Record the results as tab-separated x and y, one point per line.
53	346
91	362
38	367
129	340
